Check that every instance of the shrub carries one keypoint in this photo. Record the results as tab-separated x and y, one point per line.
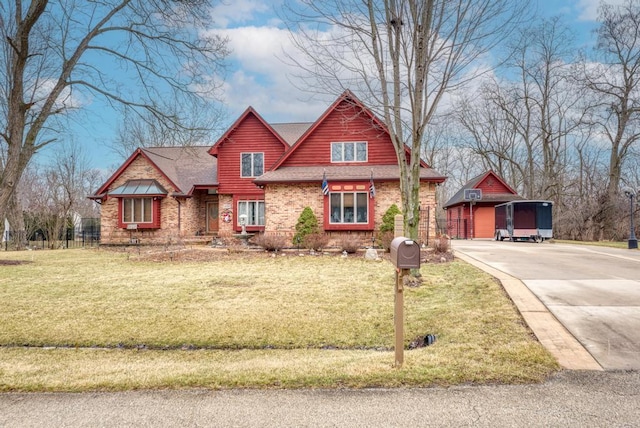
384	240
388	219
387	228
306	225
270	242
441	244
315	241
349	244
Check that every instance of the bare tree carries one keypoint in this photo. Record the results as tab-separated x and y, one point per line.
402	57
56	54
197	122
53	194
521	125
614	80
492	136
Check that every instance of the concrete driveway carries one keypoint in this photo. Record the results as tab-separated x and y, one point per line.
593	291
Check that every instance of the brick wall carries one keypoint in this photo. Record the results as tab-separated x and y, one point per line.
284	204
187	213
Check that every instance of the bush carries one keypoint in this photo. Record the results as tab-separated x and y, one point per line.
315	241
306	225
388	219
387	228
441	244
270	242
384	240
349	244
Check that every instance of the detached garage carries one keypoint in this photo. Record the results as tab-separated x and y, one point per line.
471	211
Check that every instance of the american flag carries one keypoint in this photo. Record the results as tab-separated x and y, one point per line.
325	185
372	187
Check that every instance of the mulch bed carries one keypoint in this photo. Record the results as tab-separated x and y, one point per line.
13	262
207	254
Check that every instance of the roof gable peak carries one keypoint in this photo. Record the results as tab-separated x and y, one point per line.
250	111
348	97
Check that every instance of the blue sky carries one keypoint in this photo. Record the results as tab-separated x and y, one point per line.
258	78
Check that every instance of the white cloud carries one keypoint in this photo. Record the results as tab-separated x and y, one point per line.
231	13
67	100
588	9
261	78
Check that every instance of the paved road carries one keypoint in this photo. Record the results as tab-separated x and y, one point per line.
572	398
594	292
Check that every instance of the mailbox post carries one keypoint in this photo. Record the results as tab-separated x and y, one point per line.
405	255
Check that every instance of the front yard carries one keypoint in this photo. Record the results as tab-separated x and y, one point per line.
99	319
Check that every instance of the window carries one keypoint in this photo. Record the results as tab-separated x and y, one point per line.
137	210
251	164
254	210
349	152
349	208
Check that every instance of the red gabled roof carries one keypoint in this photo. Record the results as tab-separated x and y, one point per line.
249	111
347	96
476	182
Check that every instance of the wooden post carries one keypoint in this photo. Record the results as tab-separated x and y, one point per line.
398	225
398	316
398	310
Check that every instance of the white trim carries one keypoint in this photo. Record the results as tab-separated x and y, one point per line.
355	152
248	201
355	208
252	164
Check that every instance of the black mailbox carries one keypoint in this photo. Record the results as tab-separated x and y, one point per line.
405	253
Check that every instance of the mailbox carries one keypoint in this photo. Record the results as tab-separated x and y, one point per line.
405	253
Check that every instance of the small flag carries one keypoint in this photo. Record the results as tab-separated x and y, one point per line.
325	185
372	187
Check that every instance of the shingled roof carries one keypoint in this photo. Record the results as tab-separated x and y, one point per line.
475	183
291	132
185	167
307	174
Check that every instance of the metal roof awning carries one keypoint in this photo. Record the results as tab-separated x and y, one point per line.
139	188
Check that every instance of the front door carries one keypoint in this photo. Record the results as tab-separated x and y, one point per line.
212	216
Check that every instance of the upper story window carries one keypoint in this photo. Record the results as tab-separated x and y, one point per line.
355	151
251	164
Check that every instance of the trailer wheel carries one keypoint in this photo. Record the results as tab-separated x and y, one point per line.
537	239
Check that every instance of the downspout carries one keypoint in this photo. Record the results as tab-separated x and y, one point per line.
179	217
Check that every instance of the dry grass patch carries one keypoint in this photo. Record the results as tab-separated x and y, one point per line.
249	320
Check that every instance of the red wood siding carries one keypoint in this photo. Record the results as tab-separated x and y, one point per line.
251	136
490	185
345	123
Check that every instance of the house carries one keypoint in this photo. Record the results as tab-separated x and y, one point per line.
475	218
343	166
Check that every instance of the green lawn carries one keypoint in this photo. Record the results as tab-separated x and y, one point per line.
103	320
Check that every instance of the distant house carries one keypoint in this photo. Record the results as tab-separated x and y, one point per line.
467	218
343	166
